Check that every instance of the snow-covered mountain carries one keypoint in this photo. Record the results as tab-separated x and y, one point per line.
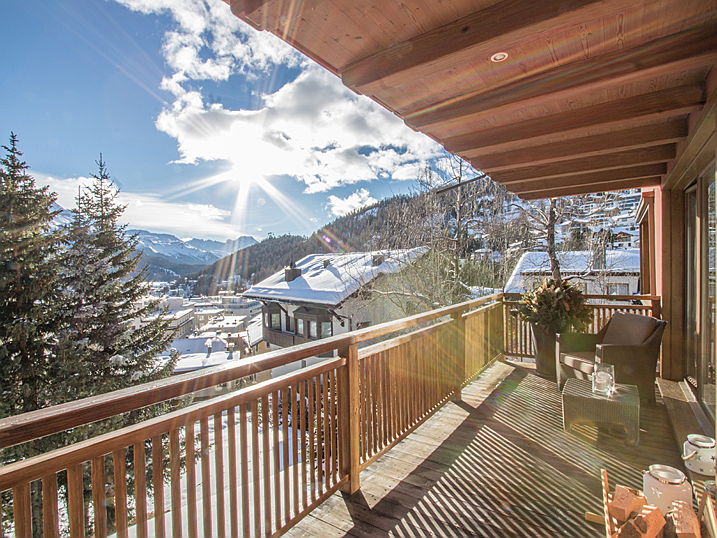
191	251
64	216
168	256
222	249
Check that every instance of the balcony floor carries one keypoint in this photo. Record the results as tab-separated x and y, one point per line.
496	463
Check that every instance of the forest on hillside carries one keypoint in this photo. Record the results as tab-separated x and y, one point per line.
459	221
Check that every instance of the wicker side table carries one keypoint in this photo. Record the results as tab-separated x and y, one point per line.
582	405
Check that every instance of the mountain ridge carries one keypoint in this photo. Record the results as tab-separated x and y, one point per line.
166	256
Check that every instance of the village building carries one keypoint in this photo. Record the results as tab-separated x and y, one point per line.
323	295
616	272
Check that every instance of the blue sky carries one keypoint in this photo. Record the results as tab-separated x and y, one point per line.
210	128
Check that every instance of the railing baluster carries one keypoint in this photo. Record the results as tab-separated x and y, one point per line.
175	484
265	445
119	462
326	431
206	476
219	470
312	439
233	457
276	447
295	422
255	465
140	488
285	456
50	518
99	496
303	440
22	511
158	484
244	445
191	463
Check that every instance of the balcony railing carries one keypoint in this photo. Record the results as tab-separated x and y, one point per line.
255	461
519	335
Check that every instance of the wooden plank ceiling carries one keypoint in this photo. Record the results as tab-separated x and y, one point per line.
594	95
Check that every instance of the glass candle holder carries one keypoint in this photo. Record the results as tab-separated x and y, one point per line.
604	379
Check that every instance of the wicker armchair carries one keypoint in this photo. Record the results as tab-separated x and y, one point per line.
630	342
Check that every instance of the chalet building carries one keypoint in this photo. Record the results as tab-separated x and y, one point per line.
617	272
324	295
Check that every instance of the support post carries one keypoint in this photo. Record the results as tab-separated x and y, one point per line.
500	337
656	310
349	402
459	353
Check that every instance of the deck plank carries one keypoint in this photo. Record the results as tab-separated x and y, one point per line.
496	463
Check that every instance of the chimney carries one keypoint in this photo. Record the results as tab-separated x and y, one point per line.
377	259
292	272
327	262
208	343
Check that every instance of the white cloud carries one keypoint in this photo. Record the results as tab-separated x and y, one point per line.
150	212
313	128
344	206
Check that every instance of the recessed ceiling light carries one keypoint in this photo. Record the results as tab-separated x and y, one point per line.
499	57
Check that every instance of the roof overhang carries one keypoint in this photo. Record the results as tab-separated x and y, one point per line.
594	95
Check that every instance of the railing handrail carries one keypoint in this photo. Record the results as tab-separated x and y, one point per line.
512	295
35	424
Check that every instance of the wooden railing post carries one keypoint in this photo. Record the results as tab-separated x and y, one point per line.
656	308
459	353
349	401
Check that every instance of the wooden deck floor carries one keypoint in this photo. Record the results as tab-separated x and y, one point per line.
496	463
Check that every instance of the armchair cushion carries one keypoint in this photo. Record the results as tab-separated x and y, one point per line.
629	329
582	361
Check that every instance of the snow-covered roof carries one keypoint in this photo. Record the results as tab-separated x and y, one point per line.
343	275
197	361
198	344
572	262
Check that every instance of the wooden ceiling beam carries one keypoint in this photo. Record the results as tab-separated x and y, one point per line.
508	21
686	50
633	157
637	137
592	188
660	104
575	180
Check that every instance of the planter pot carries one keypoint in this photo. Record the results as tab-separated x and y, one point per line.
544	343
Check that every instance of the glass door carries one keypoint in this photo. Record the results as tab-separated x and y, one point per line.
700	277
707	363
692	266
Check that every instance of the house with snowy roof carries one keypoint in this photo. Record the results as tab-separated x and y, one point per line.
324	294
612	272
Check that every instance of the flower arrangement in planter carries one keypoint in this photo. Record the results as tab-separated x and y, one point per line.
552	307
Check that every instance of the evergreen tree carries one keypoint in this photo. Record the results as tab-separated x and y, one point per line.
29	265
106	345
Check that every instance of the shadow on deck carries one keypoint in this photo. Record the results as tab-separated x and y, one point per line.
496	463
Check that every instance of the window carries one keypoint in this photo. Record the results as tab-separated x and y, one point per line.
300	326
313	328
326	329
275	320
618	288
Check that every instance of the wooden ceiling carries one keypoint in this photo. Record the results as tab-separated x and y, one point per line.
595	95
